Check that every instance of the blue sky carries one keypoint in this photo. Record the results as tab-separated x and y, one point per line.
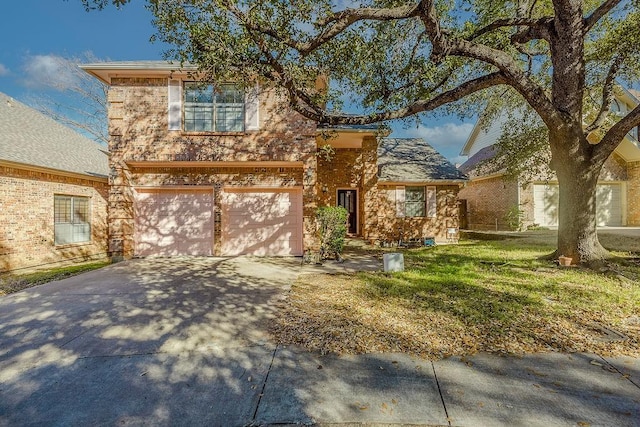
35	32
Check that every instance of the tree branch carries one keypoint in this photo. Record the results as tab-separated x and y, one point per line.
614	136
532	24
514	75
335	24
607	94
464	89
597	14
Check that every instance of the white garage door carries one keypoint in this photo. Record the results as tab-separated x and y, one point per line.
608	204
262	222
545	205
174	222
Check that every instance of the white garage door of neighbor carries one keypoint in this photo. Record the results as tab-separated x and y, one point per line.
608	204
174	222
262	222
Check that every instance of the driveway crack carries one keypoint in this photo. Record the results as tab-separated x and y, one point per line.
444	405
264	383
615	368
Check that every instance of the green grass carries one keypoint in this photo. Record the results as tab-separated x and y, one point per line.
500	279
10	283
497	296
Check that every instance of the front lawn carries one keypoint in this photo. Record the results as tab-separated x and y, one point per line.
493	296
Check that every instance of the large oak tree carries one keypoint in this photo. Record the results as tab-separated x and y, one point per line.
562	58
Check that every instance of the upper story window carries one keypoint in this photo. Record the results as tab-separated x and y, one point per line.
209	108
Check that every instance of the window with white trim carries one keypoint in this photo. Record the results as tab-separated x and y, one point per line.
416	201
72	219
209	108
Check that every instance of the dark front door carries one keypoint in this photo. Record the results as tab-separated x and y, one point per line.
348	199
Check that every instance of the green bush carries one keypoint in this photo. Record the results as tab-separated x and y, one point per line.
332	230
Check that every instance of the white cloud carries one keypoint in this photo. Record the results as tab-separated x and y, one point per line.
51	71
446	136
4	71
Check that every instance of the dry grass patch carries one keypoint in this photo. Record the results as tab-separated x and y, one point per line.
462	299
10	283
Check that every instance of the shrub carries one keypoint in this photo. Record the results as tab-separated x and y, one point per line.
332	230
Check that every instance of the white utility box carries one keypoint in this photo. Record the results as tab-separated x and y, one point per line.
393	262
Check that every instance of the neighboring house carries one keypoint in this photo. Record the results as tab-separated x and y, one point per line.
53	191
203	170
492	202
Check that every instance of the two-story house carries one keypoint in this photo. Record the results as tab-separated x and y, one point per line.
491	199
198	169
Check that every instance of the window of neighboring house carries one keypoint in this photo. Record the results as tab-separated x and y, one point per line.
416	201
71	219
209	108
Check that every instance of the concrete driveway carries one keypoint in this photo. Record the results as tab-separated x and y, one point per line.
154	341
184	342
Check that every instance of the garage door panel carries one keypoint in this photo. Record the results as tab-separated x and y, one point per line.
262	222
174	222
608	204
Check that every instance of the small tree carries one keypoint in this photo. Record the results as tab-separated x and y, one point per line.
332	230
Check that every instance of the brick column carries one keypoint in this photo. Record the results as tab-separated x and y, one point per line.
120	214
370	188
633	193
309	199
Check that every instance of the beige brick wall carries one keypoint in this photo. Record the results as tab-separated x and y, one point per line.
27	223
391	227
138	127
357	169
342	171
488	201
633	194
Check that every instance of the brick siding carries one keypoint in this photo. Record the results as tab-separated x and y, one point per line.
27	222
391	228
633	194
488	201
138	128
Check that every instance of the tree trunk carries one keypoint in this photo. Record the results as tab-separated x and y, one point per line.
577	178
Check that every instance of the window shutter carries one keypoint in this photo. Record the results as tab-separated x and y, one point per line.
432	205
400	197
252	109
175	105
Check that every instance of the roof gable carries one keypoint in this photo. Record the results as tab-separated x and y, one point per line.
413	160
31	138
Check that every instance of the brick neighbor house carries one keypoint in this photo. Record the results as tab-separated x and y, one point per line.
490	198
203	170
53	191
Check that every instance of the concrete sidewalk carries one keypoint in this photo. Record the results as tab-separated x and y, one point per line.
185	342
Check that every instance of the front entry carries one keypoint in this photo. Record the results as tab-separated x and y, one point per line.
348	199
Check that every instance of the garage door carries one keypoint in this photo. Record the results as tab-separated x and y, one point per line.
174	222
545	205
608	204
261	222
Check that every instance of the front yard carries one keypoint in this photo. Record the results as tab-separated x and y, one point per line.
493	296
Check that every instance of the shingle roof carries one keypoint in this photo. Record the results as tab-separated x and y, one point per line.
29	137
478	163
413	160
